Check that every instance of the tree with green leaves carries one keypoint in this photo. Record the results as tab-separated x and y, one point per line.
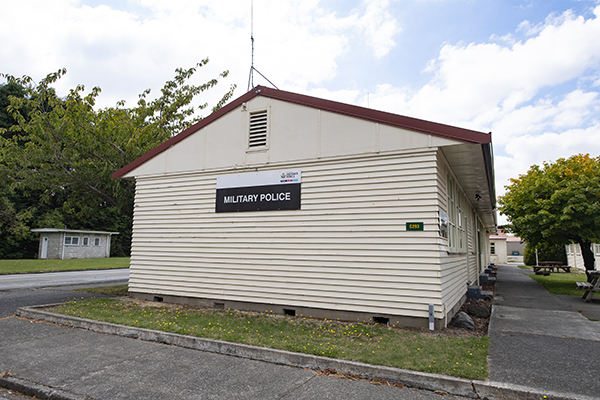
67	149
557	203
545	252
7	91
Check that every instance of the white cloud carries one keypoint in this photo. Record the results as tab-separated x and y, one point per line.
488	79
525	151
528	150
380	27
297	44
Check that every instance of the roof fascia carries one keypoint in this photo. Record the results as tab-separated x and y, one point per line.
382	117
52	230
183	135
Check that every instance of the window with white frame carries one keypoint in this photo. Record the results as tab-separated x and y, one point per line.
85	241
462	224
72	240
457	218
443	224
451	216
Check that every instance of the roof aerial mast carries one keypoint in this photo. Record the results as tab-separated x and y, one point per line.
252	69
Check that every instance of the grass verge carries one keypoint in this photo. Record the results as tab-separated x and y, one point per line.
81	264
463	357
118	290
562	283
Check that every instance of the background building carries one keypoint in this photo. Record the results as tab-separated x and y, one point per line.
69	243
506	248
575	259
498	251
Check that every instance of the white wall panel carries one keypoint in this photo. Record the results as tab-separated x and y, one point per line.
347	248
456	269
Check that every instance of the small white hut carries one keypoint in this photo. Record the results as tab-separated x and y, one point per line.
69	243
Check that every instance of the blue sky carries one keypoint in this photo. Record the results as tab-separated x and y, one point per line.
527	71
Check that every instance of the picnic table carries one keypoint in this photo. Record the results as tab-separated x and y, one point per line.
551	266
590	287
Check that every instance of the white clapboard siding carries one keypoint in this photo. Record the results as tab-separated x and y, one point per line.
457	269
346	249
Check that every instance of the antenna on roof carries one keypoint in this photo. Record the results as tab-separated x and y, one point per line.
252	69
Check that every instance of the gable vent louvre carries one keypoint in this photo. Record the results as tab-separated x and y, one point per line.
258	129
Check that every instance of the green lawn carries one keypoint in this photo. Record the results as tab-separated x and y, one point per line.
464	357
28	266
118	290
562	283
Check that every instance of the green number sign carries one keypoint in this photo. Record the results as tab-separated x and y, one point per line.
414	226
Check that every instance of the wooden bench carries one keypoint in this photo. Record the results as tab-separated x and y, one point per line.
551	266
584	285
590	287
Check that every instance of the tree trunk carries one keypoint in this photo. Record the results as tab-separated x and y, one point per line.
588	256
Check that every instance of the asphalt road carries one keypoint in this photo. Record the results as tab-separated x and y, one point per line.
10	301
69	279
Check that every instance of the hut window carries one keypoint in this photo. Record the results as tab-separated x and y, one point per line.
85	241
457	218
257	132
97	241
74	240
451	215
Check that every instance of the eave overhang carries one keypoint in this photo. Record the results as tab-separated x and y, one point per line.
473	166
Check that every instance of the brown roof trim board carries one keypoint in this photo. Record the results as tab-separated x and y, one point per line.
178	138
368	114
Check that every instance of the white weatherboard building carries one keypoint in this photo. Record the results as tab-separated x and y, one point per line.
575	259
292	204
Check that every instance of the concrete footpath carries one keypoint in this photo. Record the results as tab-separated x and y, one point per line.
543	341
541	348
58	362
